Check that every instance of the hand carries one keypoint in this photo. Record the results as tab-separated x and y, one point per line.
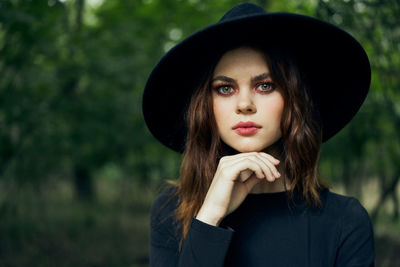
235	177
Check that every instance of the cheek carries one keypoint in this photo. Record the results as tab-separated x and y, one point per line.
276	110
278	106
220	111
273	108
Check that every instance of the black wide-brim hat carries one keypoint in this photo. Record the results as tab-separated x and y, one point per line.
335	63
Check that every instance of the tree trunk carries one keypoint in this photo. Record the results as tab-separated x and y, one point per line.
395	206
80	4
84	184
386	192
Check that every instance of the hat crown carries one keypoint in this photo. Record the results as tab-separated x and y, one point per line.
242	10
321	52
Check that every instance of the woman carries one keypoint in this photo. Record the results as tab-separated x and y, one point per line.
249	100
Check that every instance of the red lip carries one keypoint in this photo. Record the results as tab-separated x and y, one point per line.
246	128
246	124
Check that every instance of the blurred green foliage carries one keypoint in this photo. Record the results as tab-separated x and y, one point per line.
369	147
73	72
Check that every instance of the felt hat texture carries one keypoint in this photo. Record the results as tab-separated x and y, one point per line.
336	66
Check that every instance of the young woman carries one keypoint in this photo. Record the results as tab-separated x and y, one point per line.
249	100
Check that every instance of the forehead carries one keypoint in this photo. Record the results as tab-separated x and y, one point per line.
240	61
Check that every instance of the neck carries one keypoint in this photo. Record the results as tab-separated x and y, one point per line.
276	186
270	187
279	184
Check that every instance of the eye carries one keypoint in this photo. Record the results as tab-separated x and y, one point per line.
266	87
225	90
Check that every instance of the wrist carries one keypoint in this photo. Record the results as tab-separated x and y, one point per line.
209	217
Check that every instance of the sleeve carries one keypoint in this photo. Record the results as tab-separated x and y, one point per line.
163	247
356	238
204	245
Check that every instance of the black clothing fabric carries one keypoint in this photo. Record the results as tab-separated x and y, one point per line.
267	230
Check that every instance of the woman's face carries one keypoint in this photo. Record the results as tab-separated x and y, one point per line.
247	103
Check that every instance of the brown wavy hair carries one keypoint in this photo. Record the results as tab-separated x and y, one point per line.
298	148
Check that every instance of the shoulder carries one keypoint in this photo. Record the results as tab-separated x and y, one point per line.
350	212
346	206
355	231
343	213
164	205
162	215
165	231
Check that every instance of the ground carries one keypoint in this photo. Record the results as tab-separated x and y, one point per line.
50	227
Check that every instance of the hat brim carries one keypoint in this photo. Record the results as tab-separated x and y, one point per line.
337	66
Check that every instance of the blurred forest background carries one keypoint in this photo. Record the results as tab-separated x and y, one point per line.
78	167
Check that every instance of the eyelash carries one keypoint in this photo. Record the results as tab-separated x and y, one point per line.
271	85
218	88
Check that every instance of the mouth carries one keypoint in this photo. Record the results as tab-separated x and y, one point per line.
246	128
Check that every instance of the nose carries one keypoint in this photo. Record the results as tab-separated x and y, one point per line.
245	103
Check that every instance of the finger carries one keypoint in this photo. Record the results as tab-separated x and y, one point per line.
267	170
242	165
237	156
275	161
230	160
270	166
267	167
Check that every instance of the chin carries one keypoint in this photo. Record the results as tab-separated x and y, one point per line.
253	146
246	146
249	148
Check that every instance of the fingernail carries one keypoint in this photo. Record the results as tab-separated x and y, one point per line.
278	174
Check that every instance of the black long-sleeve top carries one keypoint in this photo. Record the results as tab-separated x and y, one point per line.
267	230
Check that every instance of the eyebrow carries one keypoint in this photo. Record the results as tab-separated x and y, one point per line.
230	80
224	79
260	77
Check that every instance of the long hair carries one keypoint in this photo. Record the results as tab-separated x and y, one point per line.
299	146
